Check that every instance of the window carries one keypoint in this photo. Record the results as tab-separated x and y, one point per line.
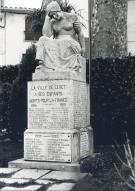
32	29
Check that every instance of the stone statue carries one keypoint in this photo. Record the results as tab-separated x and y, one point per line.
65	51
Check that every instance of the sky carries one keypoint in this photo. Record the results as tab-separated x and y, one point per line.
23	3
79	4
37	3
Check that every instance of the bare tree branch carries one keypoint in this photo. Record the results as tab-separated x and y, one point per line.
123	179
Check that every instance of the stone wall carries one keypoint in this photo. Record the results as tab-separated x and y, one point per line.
109	24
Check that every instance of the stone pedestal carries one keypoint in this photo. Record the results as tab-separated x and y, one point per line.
58	145
58	104
52	145
58	118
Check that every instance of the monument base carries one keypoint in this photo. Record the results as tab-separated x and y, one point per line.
67	146
21	163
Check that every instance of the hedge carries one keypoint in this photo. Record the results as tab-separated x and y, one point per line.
8	73
113	99
18	99
7	76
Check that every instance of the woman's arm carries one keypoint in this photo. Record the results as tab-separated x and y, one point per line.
78	31
47	27
81	39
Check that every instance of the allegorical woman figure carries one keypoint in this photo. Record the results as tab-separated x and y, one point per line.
62	45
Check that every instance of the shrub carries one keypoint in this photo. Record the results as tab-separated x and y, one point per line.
8	73
18	101
5	94
112	98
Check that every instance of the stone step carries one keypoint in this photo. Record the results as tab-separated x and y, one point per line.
44	182
60	175
8	171
27	188
14	181
35	179
30	174
61	187
21	163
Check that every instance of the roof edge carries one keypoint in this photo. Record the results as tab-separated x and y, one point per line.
17	10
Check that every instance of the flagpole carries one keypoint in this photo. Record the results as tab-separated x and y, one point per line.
90	25
90	45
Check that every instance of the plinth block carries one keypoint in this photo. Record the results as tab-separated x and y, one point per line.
70	167
52	145
58	104
58	145
86	142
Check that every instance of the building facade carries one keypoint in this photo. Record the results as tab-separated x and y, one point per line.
12	35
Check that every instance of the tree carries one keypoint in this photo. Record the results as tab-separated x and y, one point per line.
109	25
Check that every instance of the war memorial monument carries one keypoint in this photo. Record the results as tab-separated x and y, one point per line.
59	132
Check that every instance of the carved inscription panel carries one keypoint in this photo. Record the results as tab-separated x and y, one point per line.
57	104
81	106
47	147
50	104
84	144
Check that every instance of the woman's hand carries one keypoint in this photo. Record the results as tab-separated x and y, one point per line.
55	15
41	63
82	52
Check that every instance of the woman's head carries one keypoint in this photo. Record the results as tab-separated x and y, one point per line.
53	6
54	11
47	2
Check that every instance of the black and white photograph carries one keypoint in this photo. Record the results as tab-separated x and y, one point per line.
67	95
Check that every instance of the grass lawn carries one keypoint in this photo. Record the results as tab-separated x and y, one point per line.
104	178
